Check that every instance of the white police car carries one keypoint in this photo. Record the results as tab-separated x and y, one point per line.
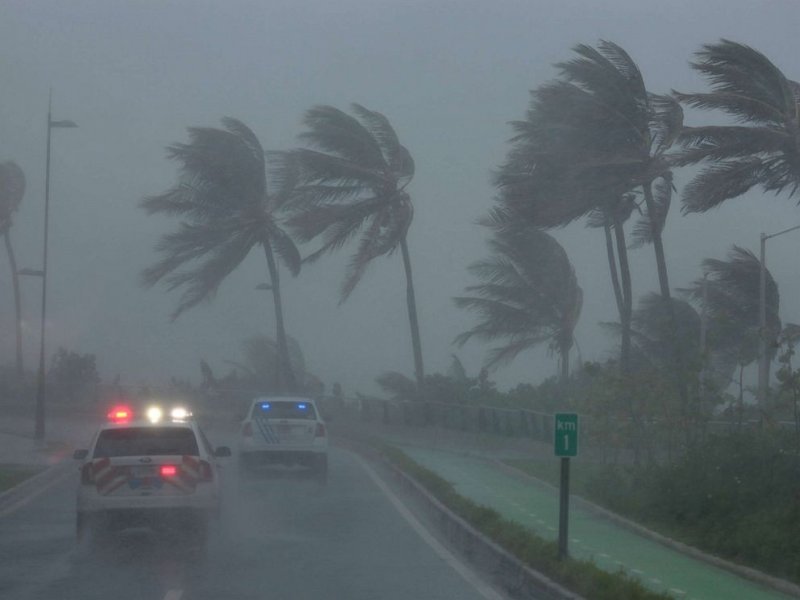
285	431
158	472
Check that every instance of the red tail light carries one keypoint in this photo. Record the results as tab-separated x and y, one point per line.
87	476
247	430
169	470
206	474
320	430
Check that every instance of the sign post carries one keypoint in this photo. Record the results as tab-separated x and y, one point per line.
565	446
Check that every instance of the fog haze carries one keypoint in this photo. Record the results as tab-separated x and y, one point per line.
135	75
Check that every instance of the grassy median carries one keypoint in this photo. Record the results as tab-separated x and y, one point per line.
582	577
11	475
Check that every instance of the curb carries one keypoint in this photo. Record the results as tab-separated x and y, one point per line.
512	575
780	585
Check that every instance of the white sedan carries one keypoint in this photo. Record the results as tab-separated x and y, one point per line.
148	471
286	431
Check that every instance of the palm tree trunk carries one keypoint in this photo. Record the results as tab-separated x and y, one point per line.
663	281
12	262
658	246
612	266
565	348
627	297
286	377
419	369
625	350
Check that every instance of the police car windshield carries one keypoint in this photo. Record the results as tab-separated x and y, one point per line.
284	410
146	441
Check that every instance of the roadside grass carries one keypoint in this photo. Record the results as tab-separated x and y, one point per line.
582	577
737	497
11	475
581	473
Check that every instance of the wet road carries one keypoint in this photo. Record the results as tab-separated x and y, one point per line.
279	538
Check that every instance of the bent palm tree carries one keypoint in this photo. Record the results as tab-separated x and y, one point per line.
12	189
226	208
763	149
592	139
732	305
351	183
528	295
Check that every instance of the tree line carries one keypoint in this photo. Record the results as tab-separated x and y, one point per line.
595	145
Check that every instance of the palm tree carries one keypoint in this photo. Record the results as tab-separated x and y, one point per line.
762	149
12	189
528	294
226	210
653	331
260	364
732	306
351	183
611	136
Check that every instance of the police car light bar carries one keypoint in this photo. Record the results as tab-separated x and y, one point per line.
120	414
154	414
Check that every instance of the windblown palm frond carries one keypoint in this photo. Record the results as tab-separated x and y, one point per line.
226	211
349	186
763	149
222	198
528	295
732	304
590	139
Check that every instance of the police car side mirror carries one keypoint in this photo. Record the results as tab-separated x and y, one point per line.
222	452
80	454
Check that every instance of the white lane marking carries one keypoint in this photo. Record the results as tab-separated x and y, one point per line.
459	567
173	595
31	497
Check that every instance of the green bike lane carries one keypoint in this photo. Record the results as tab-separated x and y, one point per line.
592	537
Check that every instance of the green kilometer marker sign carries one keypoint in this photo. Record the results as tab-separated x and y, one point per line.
566	435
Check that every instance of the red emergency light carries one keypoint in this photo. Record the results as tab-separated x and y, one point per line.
120	414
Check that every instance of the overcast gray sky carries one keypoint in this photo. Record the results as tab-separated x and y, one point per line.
448	74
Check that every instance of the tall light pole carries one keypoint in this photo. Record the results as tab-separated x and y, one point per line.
41	383
763	361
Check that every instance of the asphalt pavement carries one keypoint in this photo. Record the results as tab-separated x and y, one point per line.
280	537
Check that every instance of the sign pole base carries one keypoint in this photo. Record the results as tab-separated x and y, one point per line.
563	510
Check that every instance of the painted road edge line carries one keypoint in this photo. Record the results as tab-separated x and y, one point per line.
25	500
458	566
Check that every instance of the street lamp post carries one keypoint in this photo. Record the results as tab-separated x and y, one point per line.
41	382
763	362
